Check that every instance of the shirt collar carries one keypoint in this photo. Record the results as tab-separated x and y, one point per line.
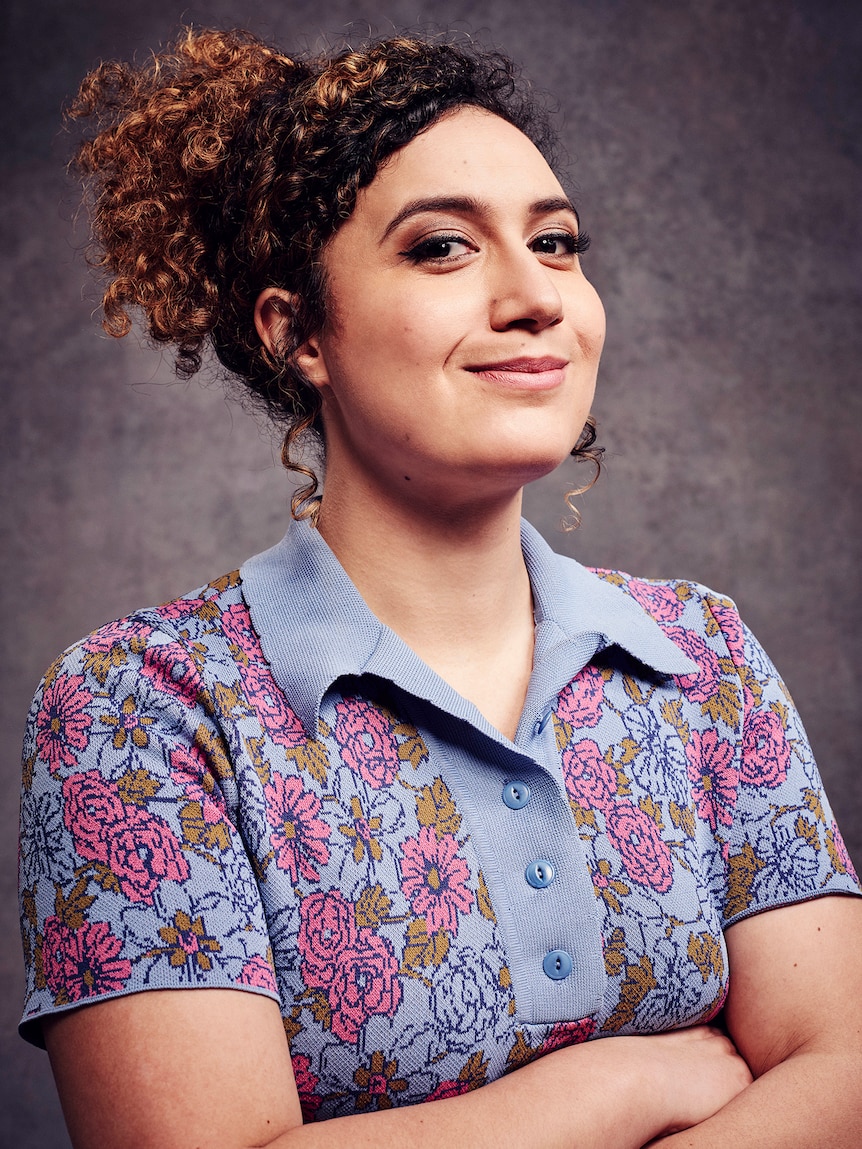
315	627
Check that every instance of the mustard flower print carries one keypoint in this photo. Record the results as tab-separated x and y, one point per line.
127	723
377	1081
608	888
362	830
187	942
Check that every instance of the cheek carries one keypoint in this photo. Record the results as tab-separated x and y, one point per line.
593	336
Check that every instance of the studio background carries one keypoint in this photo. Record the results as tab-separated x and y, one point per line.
716	150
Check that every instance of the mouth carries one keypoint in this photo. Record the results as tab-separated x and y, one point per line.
525	373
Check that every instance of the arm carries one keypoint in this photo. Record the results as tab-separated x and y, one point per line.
211	1069
795	1014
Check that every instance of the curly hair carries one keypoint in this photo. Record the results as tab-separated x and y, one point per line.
221	167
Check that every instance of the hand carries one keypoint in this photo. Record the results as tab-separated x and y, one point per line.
699	1071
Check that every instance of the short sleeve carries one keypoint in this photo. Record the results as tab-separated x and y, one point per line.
132	872
784	845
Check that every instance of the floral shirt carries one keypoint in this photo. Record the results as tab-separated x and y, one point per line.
260	786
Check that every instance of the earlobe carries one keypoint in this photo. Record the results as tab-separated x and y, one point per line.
310	360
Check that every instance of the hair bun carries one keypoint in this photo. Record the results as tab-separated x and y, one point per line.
153	171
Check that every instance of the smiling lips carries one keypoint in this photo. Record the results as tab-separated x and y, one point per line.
525	374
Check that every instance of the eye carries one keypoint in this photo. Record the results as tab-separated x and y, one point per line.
559	243
439	249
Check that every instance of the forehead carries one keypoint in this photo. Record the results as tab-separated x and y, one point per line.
468	152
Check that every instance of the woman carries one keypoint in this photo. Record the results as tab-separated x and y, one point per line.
425	808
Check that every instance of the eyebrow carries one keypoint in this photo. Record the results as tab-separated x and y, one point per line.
469	205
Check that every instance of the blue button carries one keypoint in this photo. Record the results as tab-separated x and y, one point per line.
516	795
539	873
542	722
557	964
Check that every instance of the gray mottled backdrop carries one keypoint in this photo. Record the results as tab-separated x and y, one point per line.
716	147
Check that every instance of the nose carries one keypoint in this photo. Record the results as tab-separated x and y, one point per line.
523	293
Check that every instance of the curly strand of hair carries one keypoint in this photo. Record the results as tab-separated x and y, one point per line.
585	451
305	502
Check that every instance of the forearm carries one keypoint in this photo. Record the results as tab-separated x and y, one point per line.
599	1095
812	1099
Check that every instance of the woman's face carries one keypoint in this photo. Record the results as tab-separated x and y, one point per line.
460	353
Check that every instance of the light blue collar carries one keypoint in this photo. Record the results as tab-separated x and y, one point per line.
314	627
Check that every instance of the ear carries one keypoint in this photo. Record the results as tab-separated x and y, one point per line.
273	320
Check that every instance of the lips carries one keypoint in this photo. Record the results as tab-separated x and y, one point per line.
527	373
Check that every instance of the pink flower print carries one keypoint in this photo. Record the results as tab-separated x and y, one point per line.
142	851
62	723
580	703
662	602
84	962
364	983
299	835
765	750
180	608
258	972
327	930
700	687
306	1083
838	852
713	777
590	781
276	717
567	1033
434	880
91	809
236	624
189	772
103	640
730	626
367	743
171	670
646	858
449	1089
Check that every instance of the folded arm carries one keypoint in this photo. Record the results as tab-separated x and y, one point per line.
211	1069
795	1014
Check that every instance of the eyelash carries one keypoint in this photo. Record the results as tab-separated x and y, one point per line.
422	252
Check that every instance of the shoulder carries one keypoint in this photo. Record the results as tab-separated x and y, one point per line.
158	656
683	605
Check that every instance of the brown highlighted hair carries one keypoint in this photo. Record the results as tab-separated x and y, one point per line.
221	167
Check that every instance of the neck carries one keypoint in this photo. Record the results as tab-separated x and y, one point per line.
452	584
